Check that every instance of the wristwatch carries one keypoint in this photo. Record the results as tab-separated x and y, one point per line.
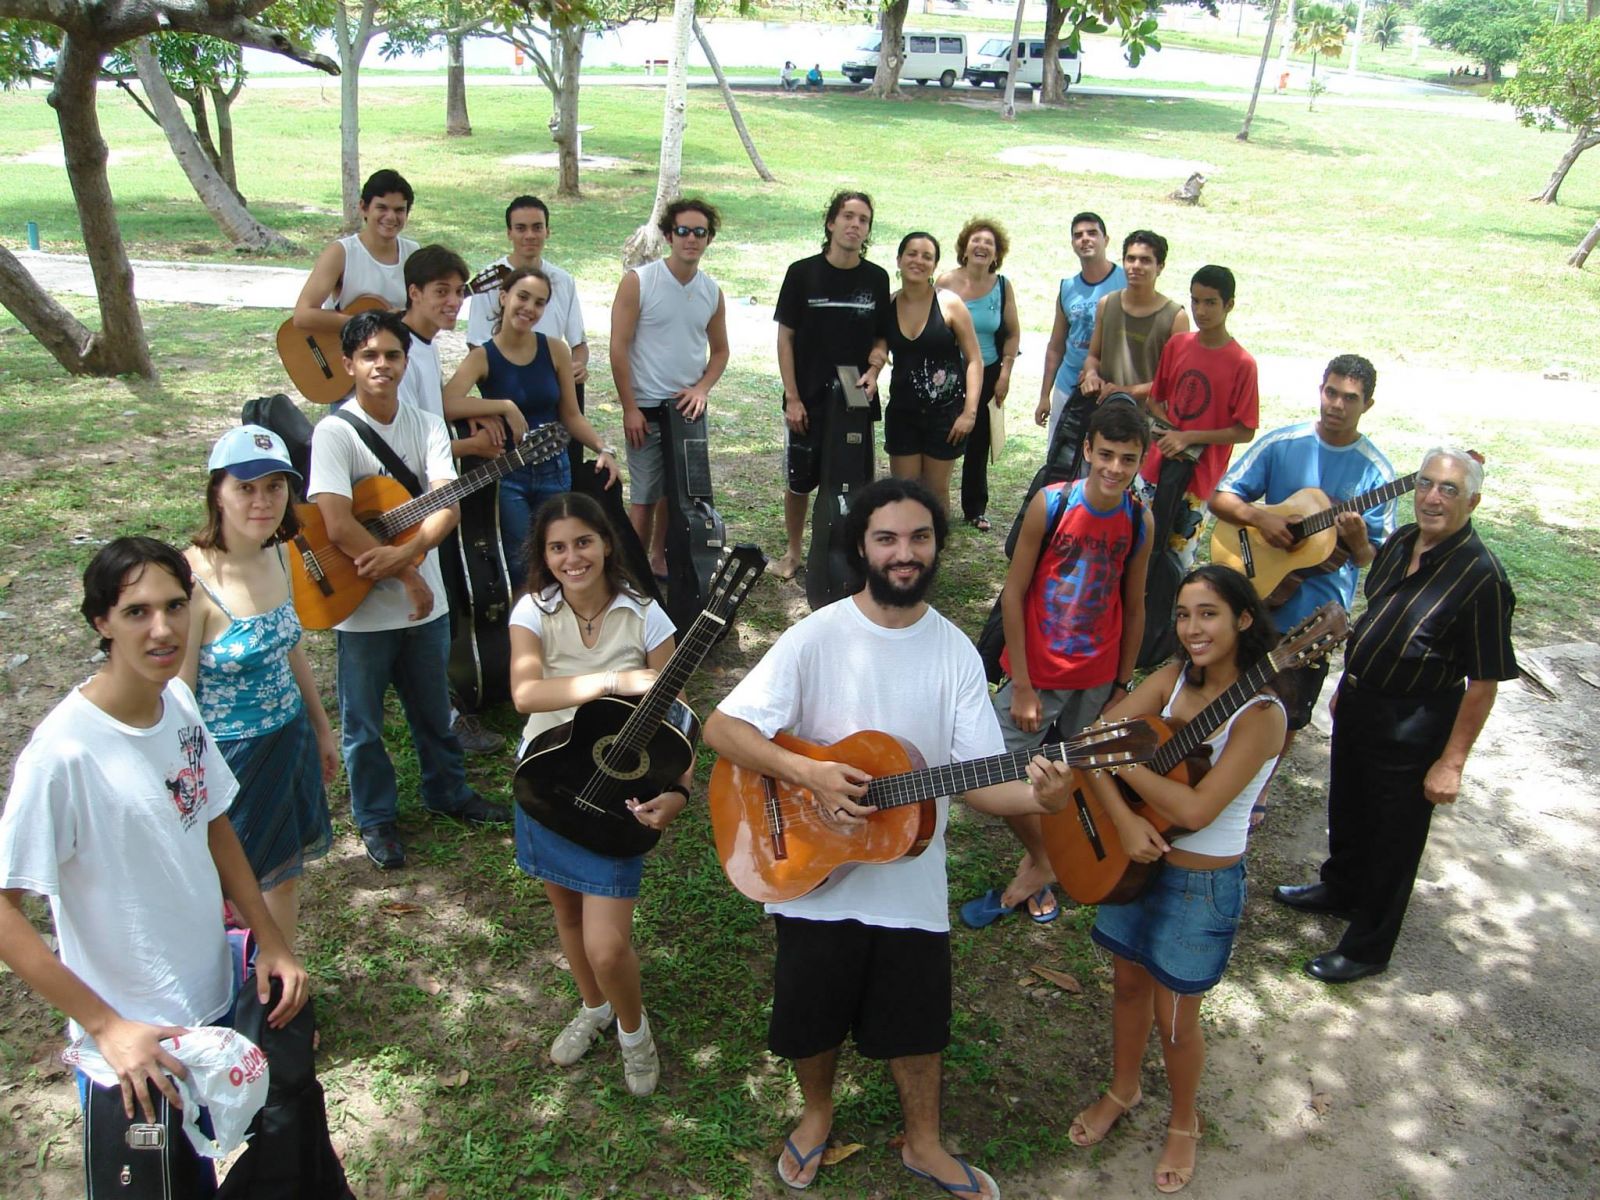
1123	686
611	450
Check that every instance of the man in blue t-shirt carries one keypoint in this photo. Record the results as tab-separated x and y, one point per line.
1076	304
1333	455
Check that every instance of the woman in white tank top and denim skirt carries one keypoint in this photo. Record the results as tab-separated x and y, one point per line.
1171	944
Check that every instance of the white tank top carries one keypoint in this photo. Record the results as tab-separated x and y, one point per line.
669	347
1229	829
365	275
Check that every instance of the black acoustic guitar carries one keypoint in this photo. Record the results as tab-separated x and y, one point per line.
577	778
847	466
695	531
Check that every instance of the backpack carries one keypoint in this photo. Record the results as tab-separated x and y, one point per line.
281	415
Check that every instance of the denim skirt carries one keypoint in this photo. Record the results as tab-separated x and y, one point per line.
1180	928
545	854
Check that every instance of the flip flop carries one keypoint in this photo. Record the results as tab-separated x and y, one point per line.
803	1159
1038	898
984	911
977	1180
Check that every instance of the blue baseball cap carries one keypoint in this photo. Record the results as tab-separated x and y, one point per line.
249	452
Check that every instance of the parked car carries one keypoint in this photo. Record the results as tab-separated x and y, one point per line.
928	56
993	60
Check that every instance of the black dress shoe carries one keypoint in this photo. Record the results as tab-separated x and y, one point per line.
1312	897
1334	967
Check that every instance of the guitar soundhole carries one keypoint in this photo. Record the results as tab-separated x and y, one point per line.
625	764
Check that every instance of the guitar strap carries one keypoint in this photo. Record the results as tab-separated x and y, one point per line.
384	453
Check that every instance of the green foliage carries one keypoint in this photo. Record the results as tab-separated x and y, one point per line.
1492	32
1384	25
26	49
1135	23
191	64
1558	79
1319	29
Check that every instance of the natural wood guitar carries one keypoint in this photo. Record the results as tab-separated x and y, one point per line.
578	777
315	361
1081	840
323	578
775	845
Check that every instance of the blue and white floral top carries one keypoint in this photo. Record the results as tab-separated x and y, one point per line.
246	688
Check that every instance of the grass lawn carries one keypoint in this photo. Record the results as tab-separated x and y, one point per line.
1399	235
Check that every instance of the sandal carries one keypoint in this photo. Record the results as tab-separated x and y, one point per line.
1078	1133
1182	1174
802	1161
980	523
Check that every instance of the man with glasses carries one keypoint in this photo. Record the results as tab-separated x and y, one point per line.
1334	456
1421	673
669	344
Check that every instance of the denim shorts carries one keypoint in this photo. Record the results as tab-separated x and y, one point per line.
1180	929
545	854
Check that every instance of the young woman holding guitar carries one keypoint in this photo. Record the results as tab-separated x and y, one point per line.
535	373
1171	944
582	631
249	669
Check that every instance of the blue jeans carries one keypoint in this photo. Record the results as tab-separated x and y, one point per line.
414	659
521	494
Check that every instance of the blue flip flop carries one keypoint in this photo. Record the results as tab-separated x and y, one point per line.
803	1159
1039	897
976	1179
984	911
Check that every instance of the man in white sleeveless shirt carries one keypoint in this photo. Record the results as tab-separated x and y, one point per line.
370	262
669	344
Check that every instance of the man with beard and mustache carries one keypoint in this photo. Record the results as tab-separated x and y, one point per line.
868	952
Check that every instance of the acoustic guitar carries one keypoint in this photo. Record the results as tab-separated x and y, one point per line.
1081	840
1276	573
775	845
578	777
315	361
323	577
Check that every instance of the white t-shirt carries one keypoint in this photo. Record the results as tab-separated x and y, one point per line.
670	345
340	460
563	316
109	822
837	673
422	385
364	275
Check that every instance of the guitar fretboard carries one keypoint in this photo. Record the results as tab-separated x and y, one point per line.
542	444
913	787
1318	521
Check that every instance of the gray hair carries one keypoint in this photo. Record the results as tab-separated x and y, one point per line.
1470	465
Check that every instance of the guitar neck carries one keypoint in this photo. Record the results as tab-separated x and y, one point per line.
652	708
1210	718
913	787
543	445
1319	521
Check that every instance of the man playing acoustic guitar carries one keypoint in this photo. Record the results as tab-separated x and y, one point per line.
1334	456
400	633
868	952
369	262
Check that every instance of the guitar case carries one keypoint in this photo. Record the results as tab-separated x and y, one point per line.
847	466
695	531
635	557
472	561
283	416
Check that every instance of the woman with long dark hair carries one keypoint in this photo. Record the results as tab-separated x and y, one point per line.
1171	943
582	631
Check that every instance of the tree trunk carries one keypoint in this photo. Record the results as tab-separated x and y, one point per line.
1587	139
1288	38
1261	70
733	107
887	80
456	121
71	343
646	241
222	102
352	41
564	121
120	346
1054	17
1355	49
1008	110
220	200
1581	254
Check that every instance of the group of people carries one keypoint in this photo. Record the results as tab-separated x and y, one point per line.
205	706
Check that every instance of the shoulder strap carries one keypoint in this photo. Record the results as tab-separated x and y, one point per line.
1136	514
215	596
403	475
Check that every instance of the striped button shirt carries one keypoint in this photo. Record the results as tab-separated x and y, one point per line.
1449	619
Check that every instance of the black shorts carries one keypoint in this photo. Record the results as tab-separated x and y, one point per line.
909	429
1301	687
888	988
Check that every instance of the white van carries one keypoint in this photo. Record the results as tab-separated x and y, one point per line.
994	60
928	56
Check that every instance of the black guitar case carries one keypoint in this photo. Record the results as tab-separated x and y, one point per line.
847	466
635	558
473	564
695	532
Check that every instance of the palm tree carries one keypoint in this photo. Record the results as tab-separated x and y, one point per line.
1320	30
1385	25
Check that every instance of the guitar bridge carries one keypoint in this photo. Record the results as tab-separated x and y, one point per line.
308	559
1246	558
780	845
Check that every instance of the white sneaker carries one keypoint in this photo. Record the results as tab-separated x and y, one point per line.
641	1066
573	1042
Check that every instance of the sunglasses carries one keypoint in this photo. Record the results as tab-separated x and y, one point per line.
697	231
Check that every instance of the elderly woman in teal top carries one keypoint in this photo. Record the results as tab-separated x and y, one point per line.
980	250
249	670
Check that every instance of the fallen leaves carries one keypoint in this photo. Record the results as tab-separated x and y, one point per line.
837	1154
455	1080
399	908
1067	983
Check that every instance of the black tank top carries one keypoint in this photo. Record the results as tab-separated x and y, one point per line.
928	369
